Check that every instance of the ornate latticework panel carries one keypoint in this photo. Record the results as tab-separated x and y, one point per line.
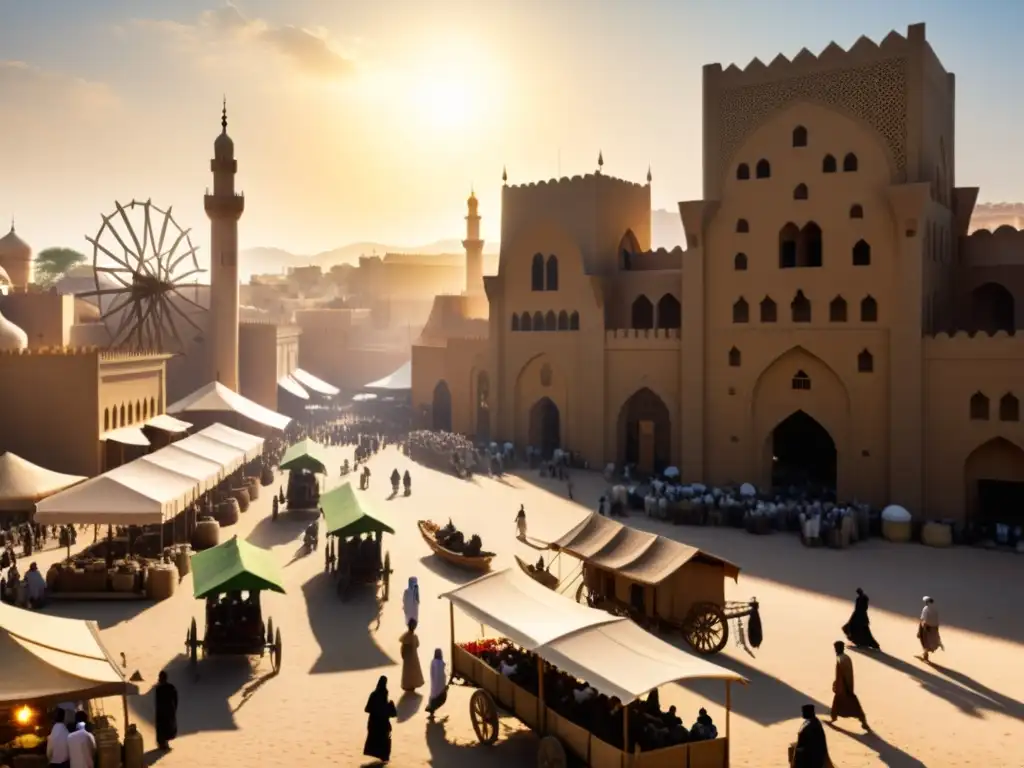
875	93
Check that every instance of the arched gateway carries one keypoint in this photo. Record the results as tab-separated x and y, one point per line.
545	427
645	432
803	454
994	480
441	412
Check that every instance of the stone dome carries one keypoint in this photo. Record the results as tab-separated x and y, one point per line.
4	277
11	336
13	247
224	147
86	311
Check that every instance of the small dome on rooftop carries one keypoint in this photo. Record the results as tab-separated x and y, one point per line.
11	336
13	246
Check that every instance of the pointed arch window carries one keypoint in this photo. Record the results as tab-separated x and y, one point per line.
515	322
735	358
801	381
850	163
979	407
742	172
741	311
829	164
145	409
742	226
538	321
868	310
550	321
563	321
865	362
670	312
789	236
769	311
739	262
837	310
1009	408
106	419
552	274
526	324
138	410
800	192
152	406
764	169
856	211
800	308
574	321
862	254
537	273
642	313
799	136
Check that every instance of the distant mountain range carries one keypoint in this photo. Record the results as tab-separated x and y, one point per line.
666	232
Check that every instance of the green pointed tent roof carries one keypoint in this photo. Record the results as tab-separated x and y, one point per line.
345	516
235	565
305	454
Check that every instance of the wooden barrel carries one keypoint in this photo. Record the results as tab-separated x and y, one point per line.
252	484
896	532
52	577
937	535
207	534
241	495
134	749
267	476
108	747
122	582
227	512
161	582
182	560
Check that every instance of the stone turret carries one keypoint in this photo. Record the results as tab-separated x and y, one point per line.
16	259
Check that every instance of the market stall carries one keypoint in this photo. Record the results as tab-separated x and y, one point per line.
49	661
304	461
354	547
216	399
610	654
23	483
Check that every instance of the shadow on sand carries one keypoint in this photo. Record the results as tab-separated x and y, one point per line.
513	749
408	705
894	757
343	629
269	533
958	689
106	613
449	573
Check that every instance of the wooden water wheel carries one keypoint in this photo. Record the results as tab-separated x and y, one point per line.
484	714
706	628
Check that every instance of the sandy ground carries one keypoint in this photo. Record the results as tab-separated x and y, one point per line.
962	710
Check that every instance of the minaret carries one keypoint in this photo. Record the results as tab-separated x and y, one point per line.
224	207
474	250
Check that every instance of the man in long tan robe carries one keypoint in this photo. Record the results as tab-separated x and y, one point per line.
844	701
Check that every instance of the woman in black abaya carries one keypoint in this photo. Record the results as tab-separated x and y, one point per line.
381	710
858	628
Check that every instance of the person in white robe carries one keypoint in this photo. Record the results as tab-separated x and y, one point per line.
438	684
411	601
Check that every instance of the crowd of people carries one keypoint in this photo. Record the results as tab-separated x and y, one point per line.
454	540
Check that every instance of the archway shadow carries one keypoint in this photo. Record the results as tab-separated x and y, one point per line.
106	614
449	573
963	693
513	748
890	755
766	700
342	629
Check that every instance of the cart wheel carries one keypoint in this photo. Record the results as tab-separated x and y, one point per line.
579	592
193	643
270	630
387	575
275	658
484	714
706	628
551	753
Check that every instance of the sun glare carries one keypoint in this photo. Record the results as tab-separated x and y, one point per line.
448	88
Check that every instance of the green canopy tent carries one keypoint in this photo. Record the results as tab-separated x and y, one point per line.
233	566
305	454
345	517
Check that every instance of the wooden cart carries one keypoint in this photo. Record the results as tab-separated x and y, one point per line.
234	624
481	562
304	461
354	551
660	583
497	694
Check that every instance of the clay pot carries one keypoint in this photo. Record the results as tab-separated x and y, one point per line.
252	484
207	534
241	495
267	476
227	512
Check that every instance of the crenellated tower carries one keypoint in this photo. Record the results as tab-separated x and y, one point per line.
474	250
224	207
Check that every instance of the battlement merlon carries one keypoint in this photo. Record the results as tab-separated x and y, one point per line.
587	181
224	206
864	51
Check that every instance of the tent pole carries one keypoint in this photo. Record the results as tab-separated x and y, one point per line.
625	736
541	709
728	708
124	702
451	629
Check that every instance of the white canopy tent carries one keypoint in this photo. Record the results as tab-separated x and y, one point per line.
205	447
397	380
126	436
23	483
51	659
609	652
250	445
218	398
309	381
292	387
206	473
101	501
168	424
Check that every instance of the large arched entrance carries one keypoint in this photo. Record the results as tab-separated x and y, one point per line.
483	408
442	407
994	479
803	455
545	427
645	432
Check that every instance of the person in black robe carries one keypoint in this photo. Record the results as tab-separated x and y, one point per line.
380	710
858	628
166	711
811	748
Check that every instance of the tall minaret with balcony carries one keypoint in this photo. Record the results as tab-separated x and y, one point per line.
224	207
474	250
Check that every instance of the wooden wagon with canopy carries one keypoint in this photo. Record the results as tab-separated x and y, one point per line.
658	582
609	653
354	551
303	462
234	624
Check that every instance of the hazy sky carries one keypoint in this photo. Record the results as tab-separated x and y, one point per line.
370	119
